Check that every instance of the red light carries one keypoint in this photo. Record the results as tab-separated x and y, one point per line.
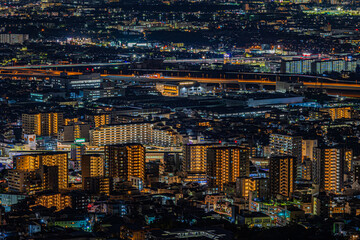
220	141
235	141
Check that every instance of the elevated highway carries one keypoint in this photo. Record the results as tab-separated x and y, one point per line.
60	66
264	79
334	84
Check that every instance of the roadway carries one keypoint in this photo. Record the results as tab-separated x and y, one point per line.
325	85
44	66
34	71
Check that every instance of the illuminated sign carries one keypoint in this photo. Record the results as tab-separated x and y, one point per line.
80	140
187	83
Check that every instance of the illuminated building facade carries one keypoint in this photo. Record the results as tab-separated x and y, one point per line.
97	185
42	124
57	200
182	89
168	89
32	182
329	65
348	157
226	164
144	133
198	177
195	156
23	181
125	161
338	112
308	148
257	187
356	171
92	170
73	132
36	161
92	165
296	66
12	38
330	166
83	81
305	170
99	119
286	145
282	176
77	150
305	167
69	121
49	177
316	66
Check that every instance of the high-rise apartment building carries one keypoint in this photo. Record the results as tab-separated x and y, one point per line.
74	132
226	164
70	121
259	187
23	181
356	172
125	161
330	166
144	133
348	157
92	170
286	145
304	170
331	65
97	185
195	162
12	38
296	66
195	157
92	165
49	177
34	162
308	146
282	176
77	150
99	120
42	124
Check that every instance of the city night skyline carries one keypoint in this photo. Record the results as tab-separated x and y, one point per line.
179	119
